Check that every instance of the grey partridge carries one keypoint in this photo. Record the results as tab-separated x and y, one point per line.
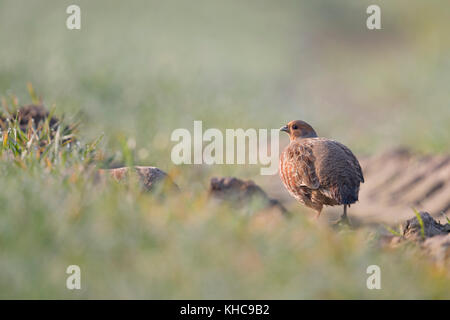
318	171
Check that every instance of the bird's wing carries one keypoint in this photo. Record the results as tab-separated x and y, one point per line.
352	160
298	166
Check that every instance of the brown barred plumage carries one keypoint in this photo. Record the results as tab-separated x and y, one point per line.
318	171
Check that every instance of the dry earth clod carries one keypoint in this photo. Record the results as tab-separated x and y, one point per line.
243	194
432	236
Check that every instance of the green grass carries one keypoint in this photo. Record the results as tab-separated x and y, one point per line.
138	70
422	227
130	244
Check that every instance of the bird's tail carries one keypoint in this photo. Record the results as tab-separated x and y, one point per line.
349	194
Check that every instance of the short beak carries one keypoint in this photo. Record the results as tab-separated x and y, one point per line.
285	129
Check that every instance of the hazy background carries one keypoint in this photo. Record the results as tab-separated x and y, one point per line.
137	70
145	68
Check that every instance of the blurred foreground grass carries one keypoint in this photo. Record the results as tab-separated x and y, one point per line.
130	244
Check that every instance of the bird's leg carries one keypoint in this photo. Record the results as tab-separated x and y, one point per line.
344	218
316	217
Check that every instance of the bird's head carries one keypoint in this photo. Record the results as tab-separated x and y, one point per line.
298	129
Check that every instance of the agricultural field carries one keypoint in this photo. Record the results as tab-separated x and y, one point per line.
138	70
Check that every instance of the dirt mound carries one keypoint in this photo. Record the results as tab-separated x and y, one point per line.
399	180
33	115
242	194
432	236
426	227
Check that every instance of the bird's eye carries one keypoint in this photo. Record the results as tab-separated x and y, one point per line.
294	127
